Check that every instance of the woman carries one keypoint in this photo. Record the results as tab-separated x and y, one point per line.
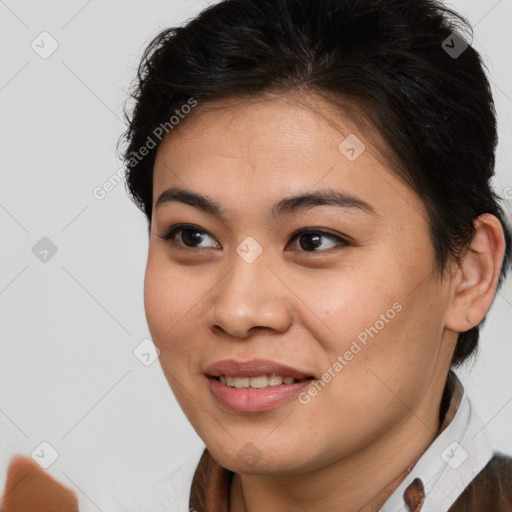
324	244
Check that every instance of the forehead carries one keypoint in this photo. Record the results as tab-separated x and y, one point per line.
268	148
272	126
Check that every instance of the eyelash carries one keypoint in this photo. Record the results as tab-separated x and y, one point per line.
171	232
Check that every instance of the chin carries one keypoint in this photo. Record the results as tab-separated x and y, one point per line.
252	458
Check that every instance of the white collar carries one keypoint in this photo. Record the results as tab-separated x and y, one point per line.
449	464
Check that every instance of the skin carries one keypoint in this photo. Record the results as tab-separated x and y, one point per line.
304	306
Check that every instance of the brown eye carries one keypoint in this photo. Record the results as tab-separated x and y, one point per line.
311	240
191	237
188	236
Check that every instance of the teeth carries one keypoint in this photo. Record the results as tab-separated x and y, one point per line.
242	382
275	380
261	381
258	382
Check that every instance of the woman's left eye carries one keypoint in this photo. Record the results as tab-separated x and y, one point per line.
309	240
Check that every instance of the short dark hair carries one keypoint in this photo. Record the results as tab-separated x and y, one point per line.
390	58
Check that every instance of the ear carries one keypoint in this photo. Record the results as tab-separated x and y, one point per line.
475	280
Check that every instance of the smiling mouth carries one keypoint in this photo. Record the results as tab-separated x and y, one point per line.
257	382
256	385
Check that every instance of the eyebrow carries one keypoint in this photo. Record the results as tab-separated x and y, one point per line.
288	205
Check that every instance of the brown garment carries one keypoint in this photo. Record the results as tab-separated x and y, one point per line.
490	490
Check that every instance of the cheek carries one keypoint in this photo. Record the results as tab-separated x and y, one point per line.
390	347
380	319
173	315
172	303
348	305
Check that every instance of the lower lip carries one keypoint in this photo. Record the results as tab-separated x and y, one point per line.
255	400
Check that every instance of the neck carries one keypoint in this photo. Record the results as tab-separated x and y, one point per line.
361	482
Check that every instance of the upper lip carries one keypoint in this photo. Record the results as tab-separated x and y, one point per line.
253	368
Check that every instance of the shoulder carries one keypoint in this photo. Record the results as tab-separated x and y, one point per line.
490	490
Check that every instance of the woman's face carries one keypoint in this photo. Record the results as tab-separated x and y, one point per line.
353	306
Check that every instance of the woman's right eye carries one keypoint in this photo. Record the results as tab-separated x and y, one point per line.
189	236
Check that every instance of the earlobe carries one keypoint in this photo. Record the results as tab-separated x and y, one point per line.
476	280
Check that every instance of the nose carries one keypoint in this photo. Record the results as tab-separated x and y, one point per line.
249	297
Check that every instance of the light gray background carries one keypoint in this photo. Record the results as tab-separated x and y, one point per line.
68	327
